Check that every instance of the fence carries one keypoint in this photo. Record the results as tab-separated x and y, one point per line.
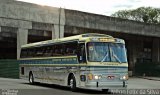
9	68
147	69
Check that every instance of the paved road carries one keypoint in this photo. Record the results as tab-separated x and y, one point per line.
21	87
139	83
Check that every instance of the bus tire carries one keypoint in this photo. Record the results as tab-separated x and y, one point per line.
72	83
105	91
31	78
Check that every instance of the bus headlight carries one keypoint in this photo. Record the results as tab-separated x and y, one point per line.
124	77
97	77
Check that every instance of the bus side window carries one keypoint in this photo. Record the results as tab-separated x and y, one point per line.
23	53
81	53
47	51
39	52
31	52
57	50
70	49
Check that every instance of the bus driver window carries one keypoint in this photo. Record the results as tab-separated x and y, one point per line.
81	53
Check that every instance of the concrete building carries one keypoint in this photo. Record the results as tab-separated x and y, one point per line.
22	23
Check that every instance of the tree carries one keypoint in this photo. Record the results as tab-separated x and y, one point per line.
143	14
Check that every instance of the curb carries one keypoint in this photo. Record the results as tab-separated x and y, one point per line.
150	78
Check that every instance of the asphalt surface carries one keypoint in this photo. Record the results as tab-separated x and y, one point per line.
22	87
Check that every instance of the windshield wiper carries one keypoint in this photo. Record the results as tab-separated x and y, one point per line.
104	57
115	56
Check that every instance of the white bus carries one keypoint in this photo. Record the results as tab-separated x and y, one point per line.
90	61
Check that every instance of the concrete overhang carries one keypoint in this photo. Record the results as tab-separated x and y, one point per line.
106	23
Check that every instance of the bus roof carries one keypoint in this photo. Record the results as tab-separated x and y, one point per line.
65	39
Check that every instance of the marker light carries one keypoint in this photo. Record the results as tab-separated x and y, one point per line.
90	76
83	77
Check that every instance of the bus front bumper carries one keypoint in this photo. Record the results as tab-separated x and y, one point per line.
106	85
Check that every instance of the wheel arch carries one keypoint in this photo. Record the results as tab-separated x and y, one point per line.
69	77
30	72
31	75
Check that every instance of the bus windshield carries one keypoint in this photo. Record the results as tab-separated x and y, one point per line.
106	52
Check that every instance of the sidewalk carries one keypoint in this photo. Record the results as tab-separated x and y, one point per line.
151	78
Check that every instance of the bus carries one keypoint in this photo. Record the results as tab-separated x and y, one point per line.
87	61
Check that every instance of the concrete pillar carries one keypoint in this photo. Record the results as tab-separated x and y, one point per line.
130	58
62	22
58	28
62	31
0	31
159	51
156	50
131	55
22	38
56	33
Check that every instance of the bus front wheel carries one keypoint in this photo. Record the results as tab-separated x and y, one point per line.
72	83
31	78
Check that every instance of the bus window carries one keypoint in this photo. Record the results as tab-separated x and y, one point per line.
70	48
39	52
57	50
81	53
48	51
23	53
31	52
69	51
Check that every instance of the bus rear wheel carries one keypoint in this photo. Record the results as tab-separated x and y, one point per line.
31	78
72	83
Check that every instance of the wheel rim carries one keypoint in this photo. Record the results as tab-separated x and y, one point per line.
71	83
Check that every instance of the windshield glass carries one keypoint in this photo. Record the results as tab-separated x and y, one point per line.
106	52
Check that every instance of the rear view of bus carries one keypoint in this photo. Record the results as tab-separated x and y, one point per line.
107	65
